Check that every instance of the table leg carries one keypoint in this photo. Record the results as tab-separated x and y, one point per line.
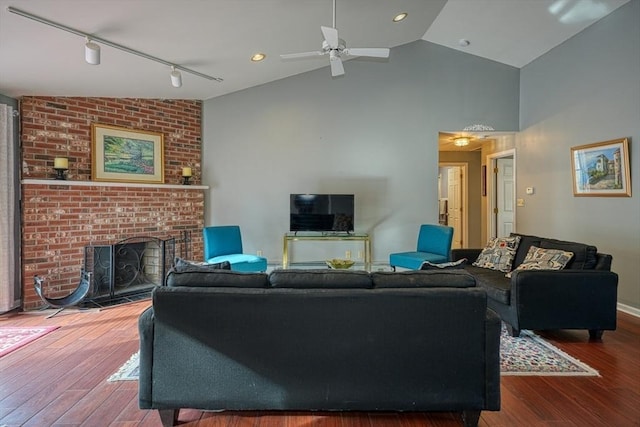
285	252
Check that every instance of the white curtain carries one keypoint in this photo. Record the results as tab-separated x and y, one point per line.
7	211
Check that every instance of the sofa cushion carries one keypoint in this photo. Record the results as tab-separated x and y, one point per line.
319	278
451	278
544	259
497	286
498	254
217	278
181	265
526	241
585	256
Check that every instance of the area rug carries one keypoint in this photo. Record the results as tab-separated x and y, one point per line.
527	354
129	371
12	338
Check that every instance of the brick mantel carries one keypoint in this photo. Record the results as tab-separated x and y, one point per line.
58	182
61	217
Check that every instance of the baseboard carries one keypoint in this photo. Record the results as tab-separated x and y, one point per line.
629	310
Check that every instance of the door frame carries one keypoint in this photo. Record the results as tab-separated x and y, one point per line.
491	162
464	182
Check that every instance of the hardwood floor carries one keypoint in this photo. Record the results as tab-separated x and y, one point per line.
60	380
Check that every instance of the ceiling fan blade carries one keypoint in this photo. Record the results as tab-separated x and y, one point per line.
376	52
336	66
331	36
301	55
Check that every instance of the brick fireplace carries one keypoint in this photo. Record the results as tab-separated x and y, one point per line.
60	218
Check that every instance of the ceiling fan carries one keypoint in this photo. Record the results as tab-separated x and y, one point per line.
336	48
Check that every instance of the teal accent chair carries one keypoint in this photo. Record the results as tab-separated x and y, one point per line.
224	243
434	245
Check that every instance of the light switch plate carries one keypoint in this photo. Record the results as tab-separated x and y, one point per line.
520	202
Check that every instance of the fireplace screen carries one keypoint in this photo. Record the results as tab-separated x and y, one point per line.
127	268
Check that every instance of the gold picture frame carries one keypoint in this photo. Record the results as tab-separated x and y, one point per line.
601	169
126	155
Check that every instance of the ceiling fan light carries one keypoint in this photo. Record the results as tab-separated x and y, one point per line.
461	141
400	17
92	53
176	77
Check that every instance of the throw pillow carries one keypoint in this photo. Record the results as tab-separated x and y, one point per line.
182	265
544	259
498	254
444	265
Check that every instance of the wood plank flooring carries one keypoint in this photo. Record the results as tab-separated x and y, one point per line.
60	380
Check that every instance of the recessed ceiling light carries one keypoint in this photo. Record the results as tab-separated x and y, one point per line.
399	17
258	57
464	42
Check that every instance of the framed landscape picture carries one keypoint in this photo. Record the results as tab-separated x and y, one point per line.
601	169
120	154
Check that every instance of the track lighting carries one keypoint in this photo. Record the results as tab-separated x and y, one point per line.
92	49
176	77
92	52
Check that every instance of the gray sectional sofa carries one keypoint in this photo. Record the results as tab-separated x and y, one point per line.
582	295
320	340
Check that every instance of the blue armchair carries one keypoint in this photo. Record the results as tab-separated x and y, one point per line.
434	245
224	243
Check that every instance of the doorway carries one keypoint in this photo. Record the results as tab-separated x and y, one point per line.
452	201
501	194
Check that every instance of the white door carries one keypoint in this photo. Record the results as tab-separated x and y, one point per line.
454	193
505	196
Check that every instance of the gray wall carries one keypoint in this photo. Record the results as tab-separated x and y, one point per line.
372	132
586	90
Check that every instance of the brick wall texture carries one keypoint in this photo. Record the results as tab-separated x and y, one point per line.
59	220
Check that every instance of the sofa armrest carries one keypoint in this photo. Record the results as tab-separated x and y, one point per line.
574	298
470	254
493	326
145	329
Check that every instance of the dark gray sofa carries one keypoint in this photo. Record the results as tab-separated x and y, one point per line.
583	295
319	340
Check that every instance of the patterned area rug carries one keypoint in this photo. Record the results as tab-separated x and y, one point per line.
129	371
528	354
12	338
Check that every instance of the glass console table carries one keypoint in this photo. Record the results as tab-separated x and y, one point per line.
326	237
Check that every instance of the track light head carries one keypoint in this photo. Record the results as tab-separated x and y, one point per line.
176	77
92	52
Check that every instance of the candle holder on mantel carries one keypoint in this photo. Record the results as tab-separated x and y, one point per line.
186	176
60	165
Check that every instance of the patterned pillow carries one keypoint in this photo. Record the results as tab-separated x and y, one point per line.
183	265
544	259
498	254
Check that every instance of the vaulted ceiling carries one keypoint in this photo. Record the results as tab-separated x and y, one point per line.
218	38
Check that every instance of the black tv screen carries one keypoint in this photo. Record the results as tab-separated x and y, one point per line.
321	212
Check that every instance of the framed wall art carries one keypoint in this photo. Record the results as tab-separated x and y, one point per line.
601	169
120	154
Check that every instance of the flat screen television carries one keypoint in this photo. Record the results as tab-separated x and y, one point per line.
321	212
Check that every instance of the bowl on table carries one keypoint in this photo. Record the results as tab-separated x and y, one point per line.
340	264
